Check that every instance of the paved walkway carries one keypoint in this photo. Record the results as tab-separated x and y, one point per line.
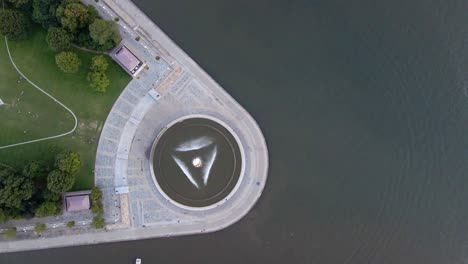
172	87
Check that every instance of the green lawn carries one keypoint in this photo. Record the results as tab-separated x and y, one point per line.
30	115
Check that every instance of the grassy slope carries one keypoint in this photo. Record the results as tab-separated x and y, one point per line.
39	116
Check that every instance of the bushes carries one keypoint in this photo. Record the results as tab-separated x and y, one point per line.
97	208
10	233
71	224
39	228
98	222
96	201
13	24
96	194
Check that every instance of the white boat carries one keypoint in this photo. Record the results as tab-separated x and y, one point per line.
138	261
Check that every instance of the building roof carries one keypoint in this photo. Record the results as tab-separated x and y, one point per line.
127	59
77	203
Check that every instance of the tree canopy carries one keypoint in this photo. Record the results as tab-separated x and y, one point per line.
47	209
103	31
99	63
59	39
68	162
72	15
13	24
98	81
62	178
68	62
35	169
18	3
60	182
15	188
44	12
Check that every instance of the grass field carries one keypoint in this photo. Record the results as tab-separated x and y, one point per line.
28	114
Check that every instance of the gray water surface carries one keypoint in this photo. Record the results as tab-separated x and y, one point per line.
364	108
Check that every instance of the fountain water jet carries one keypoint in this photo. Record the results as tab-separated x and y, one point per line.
197	146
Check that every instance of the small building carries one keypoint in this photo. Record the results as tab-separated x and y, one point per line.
76	201
128	60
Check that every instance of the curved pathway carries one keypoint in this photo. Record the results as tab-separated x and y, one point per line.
48	95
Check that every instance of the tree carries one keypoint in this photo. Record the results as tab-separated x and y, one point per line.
39	228
35	169
13	24
15	188
60	182
99	64
44	12
71	224
18	3
93	14
68	61
47	209
103	31
68	162
50	196
98	222
10	233
97	77
73	15
98	81
59	39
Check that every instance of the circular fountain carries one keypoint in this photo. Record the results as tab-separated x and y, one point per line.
196	162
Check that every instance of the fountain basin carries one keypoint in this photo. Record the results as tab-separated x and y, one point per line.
196	162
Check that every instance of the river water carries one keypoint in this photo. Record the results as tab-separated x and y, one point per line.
364	107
